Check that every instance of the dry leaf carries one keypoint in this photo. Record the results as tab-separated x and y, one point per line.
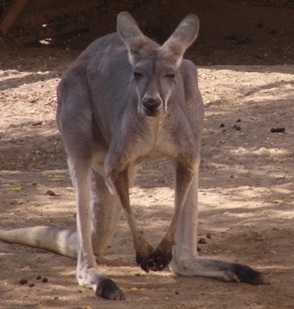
278	201
16	189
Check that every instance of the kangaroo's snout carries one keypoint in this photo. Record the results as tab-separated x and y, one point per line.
151	105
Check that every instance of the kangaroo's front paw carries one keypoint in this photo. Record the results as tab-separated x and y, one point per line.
142	257
159	259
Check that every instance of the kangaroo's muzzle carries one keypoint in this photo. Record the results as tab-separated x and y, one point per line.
151	105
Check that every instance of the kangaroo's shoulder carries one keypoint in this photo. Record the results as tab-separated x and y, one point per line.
103	53
188	69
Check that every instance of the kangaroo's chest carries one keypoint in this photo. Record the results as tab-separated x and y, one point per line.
158	145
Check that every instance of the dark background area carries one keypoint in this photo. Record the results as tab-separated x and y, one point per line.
231	32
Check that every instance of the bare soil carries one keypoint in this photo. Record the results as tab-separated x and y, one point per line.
246	187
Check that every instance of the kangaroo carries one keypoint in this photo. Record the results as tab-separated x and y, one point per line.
124	101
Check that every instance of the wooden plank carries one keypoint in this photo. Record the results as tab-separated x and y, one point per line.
11	15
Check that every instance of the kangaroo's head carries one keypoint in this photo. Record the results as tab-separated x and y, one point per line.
155	68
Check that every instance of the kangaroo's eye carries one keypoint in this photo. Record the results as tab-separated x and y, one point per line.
137	74
170	75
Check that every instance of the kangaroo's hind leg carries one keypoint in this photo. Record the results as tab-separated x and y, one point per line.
185	259
75	120
105	213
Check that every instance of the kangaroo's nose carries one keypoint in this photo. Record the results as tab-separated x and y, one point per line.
151	104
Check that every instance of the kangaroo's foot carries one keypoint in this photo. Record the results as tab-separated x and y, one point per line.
102	286
109	290
217	269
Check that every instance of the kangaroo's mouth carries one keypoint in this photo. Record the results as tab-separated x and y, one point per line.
151	113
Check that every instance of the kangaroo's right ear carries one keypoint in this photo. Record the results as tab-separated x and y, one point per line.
131	35
184	35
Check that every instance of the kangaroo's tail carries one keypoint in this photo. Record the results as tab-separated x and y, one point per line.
58	240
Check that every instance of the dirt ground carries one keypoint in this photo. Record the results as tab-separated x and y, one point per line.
246	185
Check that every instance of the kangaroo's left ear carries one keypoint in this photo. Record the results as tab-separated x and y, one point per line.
184	35
130	33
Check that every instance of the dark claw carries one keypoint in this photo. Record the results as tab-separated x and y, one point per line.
159	260
248	275
143	258
156	260
144	266
109	290
143	263
151	264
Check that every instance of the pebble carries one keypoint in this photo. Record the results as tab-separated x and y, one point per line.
51	193
277	130
238	128
23	281
202	241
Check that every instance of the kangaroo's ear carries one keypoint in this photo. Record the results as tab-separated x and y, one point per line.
184	35
131	35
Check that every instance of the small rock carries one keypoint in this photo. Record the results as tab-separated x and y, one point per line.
37	123
51	193
208	235
202	241
238	128
222	125
38	277
23	281
31	285
277	130
44	280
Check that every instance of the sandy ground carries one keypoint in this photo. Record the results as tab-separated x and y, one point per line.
246	191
